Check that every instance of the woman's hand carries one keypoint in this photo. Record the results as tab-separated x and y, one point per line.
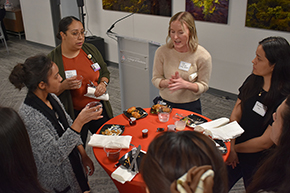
177	83
86	160
164	83
86	115
233	159
71	83
100	89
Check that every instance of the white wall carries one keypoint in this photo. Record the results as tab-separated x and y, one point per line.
231	45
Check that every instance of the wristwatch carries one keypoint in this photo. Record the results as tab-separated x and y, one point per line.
105	83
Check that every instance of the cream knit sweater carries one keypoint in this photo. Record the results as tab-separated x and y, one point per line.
166	63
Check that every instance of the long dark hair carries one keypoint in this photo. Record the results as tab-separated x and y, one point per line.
34	70
17	165
277	51
170	155
274	174
63	25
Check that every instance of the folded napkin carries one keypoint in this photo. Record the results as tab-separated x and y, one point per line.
215	123
222	129
91	94
98	140
122	174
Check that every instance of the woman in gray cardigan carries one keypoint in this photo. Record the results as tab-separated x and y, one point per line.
56	144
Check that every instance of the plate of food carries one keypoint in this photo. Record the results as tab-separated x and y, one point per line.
112	129
136	112
221	146
128	158
193	120
164	108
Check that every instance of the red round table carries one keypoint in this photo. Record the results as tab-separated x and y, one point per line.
151	123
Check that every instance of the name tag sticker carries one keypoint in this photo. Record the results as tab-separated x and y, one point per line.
70	73
184	66
260	109
95	67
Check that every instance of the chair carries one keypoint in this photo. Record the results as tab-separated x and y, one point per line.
2	37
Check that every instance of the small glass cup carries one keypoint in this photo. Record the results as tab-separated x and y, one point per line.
94	104
112	151
180	125
163	116
80	79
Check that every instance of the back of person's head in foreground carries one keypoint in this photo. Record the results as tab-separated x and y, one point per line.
274	174
17	165
172	154
34	70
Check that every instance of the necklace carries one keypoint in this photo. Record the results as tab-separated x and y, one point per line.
261	92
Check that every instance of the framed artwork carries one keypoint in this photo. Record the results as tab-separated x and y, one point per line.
153	7
268	14
209	10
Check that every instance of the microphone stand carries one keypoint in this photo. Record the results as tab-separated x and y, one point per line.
81	10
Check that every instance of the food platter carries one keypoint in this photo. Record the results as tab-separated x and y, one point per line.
128	158
159	107
193	120
141	111
112	129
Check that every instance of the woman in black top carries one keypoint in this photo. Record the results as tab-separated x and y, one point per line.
259	97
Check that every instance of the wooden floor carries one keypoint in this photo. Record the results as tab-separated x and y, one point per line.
213	106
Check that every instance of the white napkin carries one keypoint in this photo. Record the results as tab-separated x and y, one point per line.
222	129
122	174
98	140
215	123
91	94
228	131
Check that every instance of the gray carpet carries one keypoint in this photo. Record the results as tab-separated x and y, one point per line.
213	106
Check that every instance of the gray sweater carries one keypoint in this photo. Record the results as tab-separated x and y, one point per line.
51	151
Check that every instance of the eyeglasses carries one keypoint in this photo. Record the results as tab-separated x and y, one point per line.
77	34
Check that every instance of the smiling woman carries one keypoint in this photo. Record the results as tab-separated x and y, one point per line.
55	139
177	61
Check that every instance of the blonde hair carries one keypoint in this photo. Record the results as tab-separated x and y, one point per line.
187	19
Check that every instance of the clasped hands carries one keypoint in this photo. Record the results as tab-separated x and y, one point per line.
174	83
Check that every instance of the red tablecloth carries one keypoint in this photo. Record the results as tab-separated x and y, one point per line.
151	123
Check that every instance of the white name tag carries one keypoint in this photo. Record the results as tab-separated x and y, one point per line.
260	108
96	67
70	73
184	66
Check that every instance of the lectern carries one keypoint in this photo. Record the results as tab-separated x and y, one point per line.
136	58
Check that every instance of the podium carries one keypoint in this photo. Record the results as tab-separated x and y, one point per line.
136	57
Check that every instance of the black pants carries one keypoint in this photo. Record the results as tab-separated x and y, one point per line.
93	125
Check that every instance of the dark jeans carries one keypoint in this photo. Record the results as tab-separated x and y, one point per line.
194	106
93	125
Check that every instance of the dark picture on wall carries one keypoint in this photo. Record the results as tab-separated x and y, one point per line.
209	10
269	14
154	7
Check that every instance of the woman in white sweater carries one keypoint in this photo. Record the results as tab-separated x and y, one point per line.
56	144
182	68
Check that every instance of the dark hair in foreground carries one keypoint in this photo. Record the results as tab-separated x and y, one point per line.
17	165
274	174
277	51
170	155
63	25
34	70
